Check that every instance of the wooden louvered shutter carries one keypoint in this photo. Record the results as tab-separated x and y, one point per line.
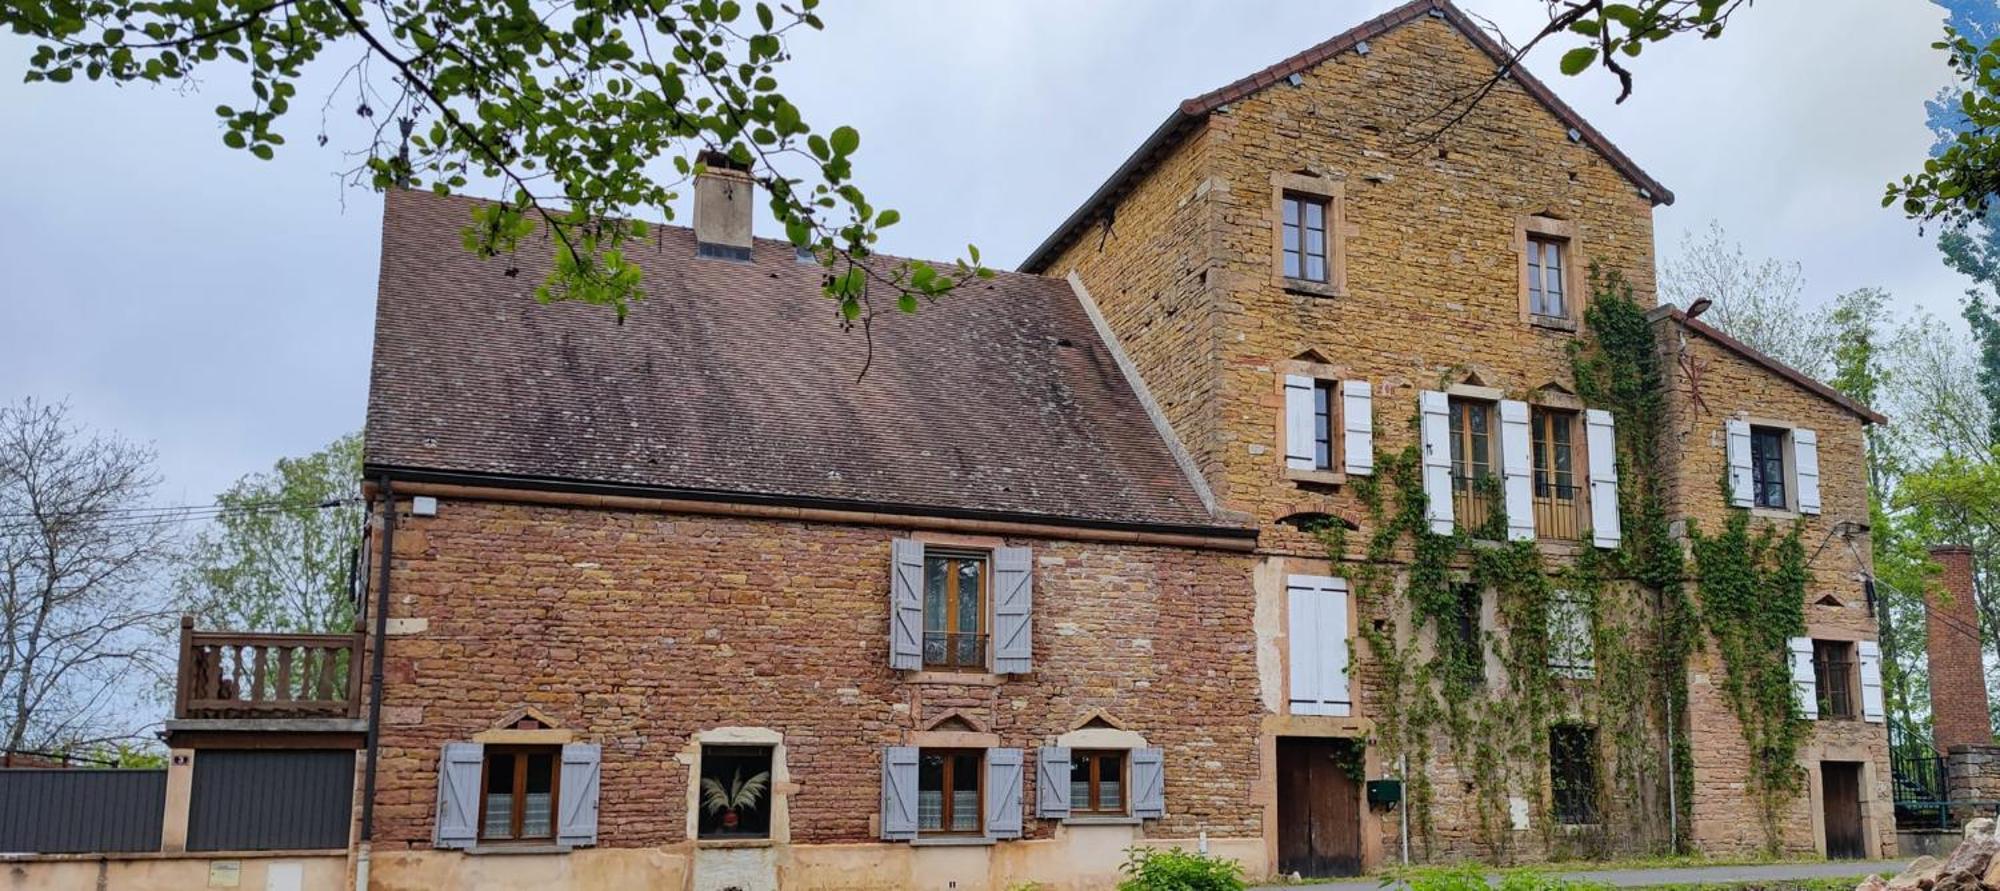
1803	682
1516	468
457	823
1149	783
1052	782
1741	483
1300	450
1600	442
906	604
1436	434
1003	793
1805	466
1357	427
1013	610
899	793
576	812
1871	681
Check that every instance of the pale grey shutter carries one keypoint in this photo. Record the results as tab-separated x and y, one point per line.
1436	433
1003	793
1013	610
1871	681
1052	782
1302	635
576	812
1300	452
1740	479
906	604
1516	466
457	823
1803	682
1805	466
1149	783
1357	427
1333	628
899	793
1600	442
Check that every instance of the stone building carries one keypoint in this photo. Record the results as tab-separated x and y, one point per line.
1262	510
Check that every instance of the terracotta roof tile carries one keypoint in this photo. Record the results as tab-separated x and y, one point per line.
732	380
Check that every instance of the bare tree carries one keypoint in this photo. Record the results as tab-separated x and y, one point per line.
82	633
1757	302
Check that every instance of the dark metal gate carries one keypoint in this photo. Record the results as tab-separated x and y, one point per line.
67	811
271	799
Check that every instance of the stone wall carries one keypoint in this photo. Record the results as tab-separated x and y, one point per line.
637	630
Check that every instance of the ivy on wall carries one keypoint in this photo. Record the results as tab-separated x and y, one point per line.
1437	705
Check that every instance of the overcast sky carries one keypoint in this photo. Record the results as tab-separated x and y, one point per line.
220	307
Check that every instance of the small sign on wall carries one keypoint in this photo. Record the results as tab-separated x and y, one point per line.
225	873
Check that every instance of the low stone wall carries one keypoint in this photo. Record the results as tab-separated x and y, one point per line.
274	871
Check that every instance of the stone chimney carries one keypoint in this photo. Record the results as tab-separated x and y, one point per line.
1958	675
723	196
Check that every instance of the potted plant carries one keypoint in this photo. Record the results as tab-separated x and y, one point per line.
739	796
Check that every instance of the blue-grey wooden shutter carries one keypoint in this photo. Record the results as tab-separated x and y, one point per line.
1300	450
457	824
576	812
1805	466
1804	683
1052	782
1737	450
1434	429
1013	610
1516	469
1149	783
1003	793
899	793
1357	424
1871	681
1600	445
906	604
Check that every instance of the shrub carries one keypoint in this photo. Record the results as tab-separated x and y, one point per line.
1172	869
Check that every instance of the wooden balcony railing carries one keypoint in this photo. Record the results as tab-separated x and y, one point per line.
228	674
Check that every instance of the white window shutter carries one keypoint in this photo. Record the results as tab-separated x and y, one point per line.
1149	784
899	793
576	812
459	767
1299	451
1740	494
1357	426
1871	681
1436	434
1052	782
1600	442
1318	647
1003	793
1802	677
1805	466
1013	610
1516	465
906	604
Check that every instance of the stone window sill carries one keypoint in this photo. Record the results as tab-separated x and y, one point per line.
1772	513
955	678
1553	323
1319	477
1311	288
1106	820
502	850
726	843
953	841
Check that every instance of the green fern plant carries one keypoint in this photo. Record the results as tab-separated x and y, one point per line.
740	795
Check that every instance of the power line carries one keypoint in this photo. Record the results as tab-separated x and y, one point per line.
96	522
116	512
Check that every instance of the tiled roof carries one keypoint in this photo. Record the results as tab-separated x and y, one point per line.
1797	377
732	381
1193	110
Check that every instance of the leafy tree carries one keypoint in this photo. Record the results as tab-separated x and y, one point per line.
1758	302
567	105
282	545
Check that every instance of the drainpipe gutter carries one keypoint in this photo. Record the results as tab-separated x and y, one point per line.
381	634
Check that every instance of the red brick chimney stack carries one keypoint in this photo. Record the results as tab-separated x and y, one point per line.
1958	675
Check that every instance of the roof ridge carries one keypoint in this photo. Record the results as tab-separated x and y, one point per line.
1800	378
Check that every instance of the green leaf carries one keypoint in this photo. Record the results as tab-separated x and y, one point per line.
846	140
887	218
1576	60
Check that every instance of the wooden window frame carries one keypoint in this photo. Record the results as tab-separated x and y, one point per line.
519	793
945	808
1332	193
1592	752
1096	756
1541	452
1458	426
1846	670
1527	231
1783	436
984	623
1324	376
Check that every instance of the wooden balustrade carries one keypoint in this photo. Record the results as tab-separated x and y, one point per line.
227	674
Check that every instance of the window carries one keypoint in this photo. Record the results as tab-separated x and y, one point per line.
518	793
1097	783
735	792
1767	467
1572	647
954	610
1833	676
1472	442
1573	773
1468	657
949	791
1305	219
1546	297
1322	425
1557	505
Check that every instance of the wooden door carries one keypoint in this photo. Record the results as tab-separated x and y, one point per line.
1319	809
1840	794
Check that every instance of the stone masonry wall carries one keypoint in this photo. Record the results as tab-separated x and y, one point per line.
640	629
1959	710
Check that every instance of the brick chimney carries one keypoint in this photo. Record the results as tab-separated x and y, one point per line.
722	208
1958	674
